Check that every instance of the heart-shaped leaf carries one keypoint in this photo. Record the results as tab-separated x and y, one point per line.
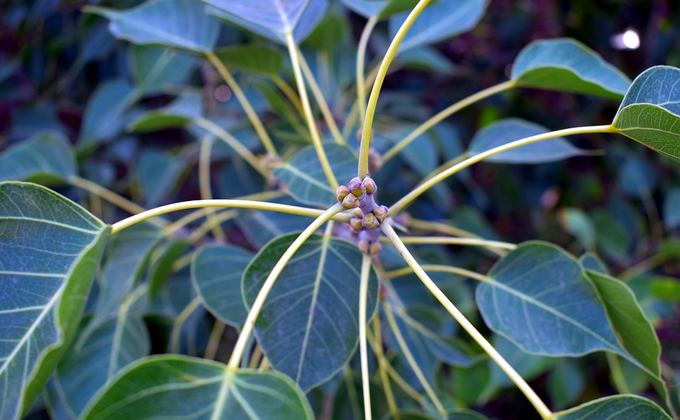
46	158
180	24
380	8
253	58
272	18
309	327
439	21
216	272
157	69
511	129
174	386
305	178
103	117
619	407
49	251
567	65
539	297
651	109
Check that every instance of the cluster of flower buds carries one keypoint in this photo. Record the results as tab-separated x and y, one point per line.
367	215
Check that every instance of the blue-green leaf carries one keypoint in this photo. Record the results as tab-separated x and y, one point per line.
173	23
157	173
439	21
305	178
511	129
174	386
309	327
272	18
158	69
567	65
619	407
103	117
178	113
49	251
46	158
380	8
253	58
216	273
651	109
671	208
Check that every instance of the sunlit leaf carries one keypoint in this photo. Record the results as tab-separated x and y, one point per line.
620	407
46	158
173	23
511	129
216	273
305	178
174	386
309	327
272	18
567	65
651	109
539	297
439	21
49	251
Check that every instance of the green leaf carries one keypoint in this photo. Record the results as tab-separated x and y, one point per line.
272	18
46	158
381	8
511	129
216	273
309	327
566	65
173	23
157	69
539	297
439	21
650	110
157	172
49	251
592	262
427	59
103	115
619	407
305	178
566	383
252	58
329	34
178	113
633	329
576	222
162	268
174	386
111	347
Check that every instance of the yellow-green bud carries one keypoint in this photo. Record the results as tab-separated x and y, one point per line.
350	202
357	187
357	213
341	192
363	246
356	224
370	221
375	248
370	185
380	213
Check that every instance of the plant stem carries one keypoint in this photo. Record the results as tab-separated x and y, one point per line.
214	340
246	154
256	358
250	112
254	312
376	345
242	204
210	224
289	92
363	297
408	198
110	196
456	241
320	99
411	360
361	59
442	115
313	130
449	230
173	346
531	395
204	184
617	373
366	132
352	392
435	267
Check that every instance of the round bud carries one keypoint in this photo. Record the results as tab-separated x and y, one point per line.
350	202
370	221
363	246
371	188
380	213
356	224
356	187
341	192
358	213
375	248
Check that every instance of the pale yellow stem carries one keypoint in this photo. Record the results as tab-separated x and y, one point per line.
256	358
173	346
250	112
313	130
214	340
204	183
443	268
531	395
290	93
442	115
376	345
361	59
320	100
366	132
455	241
210	224
449	230
408	198
363	297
